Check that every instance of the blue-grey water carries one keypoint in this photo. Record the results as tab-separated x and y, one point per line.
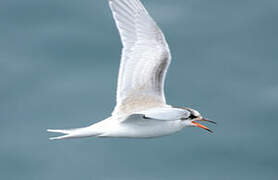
58	67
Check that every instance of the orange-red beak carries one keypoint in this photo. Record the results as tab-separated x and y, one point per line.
202	126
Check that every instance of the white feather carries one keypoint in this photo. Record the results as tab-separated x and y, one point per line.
141	110
145	58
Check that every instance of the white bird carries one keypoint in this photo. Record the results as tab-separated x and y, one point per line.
141	110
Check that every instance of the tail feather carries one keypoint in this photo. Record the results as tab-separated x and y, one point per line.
63	131
60	137
68	133
73	133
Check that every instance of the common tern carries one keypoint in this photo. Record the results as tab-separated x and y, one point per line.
141	110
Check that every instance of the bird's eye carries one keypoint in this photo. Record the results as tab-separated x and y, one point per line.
192	116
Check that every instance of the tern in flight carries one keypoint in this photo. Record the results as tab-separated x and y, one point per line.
141	110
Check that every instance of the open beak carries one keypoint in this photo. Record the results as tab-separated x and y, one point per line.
202	126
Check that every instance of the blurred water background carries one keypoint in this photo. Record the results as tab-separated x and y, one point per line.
59	61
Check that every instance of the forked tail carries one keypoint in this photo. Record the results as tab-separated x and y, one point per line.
72	133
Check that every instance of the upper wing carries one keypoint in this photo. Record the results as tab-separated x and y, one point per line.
145	57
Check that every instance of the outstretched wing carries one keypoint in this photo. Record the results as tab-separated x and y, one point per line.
145	57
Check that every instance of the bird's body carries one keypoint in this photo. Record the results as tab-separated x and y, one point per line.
141	110
153	122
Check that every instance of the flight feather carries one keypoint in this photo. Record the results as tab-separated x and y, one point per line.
145	57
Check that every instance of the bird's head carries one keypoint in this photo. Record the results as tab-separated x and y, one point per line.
192	118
